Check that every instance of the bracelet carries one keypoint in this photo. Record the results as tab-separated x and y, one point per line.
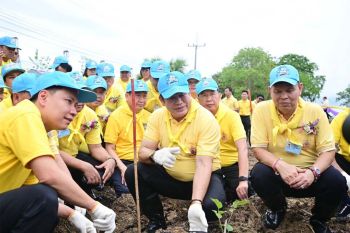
274	165
115	161
193	200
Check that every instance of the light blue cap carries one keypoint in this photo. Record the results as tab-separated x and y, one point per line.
159	68
8	41
78	78
194	74
146	64
24	82
284	73
90	64
172	83
105	69
139	86
6	69
95	81
206	84
125	68
59	60
2	84
60	79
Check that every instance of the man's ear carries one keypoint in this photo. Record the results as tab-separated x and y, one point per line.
42	97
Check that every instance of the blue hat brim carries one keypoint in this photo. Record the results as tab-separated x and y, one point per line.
93	87
106	74
206	89
157	75
86	96
174	90
286	80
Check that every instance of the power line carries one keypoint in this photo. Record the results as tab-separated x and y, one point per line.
196	46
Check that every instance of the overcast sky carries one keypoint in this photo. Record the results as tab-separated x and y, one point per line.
126	32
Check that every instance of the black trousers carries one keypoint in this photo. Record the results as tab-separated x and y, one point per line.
328	190
29	209
154	180
343	163
246	124
231	182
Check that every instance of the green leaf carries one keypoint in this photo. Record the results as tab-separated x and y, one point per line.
229	227
238	203
217	203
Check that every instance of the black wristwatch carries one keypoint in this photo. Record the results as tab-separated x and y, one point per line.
242	178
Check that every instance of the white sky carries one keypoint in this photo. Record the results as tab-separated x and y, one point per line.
126	32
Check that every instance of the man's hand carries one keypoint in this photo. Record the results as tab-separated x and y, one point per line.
122	169
166	156
109	166
91	174
242	190
81	223
103	218
196	218
287	171
304	179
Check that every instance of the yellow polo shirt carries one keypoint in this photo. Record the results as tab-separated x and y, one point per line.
72	139
231	102
153	101
102	114
22	138
53	141
231	130
5	104
119	131
312	145
199	136
337	124
122	84
3	63
114	97
244	107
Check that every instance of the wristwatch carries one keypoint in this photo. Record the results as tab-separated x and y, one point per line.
242	178
316	171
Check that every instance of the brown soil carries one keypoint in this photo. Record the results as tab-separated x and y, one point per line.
245	219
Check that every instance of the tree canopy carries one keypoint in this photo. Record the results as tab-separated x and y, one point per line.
344	96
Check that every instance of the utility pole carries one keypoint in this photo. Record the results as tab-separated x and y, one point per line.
196	45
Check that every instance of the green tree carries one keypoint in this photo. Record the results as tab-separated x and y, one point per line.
313	84
344	96
178	64
249	69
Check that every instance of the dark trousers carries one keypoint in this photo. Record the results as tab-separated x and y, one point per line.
231	182
29	209
154	180
343	163
79	178
246	124
328	190
117	179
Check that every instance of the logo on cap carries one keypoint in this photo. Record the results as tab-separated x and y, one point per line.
160	68
106	69
140	85
98	81
283	71
205	83
172	79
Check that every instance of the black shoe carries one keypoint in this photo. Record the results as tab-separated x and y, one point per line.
272	219
156	223
343	213
319	226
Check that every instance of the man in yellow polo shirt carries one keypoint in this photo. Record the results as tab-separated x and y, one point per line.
193	77
245	109
229	100
145	70
125	74
115	94
294	144
9	73
233	146
158	69
342	160
8	46
119	130
179	157
29	174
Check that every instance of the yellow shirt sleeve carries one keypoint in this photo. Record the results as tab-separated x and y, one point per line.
112	129
152	132
337	124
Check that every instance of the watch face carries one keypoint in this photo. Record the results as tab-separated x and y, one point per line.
318	171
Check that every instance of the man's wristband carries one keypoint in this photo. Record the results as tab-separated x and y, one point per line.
115	161
242	178
196	200
274	165
316	171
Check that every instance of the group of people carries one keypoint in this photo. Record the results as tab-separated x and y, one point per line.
65	134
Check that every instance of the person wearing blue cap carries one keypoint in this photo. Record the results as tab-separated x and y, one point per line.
145	70
61	64
294	145
29	174
158	69
115	94
119	131
233	146
90	68
193	77
8	47
179	157
125	74
99	86
10	72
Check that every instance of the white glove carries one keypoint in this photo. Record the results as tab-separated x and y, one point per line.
60	201
347	177
82	224
103	218
196	218
80	210
166	156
